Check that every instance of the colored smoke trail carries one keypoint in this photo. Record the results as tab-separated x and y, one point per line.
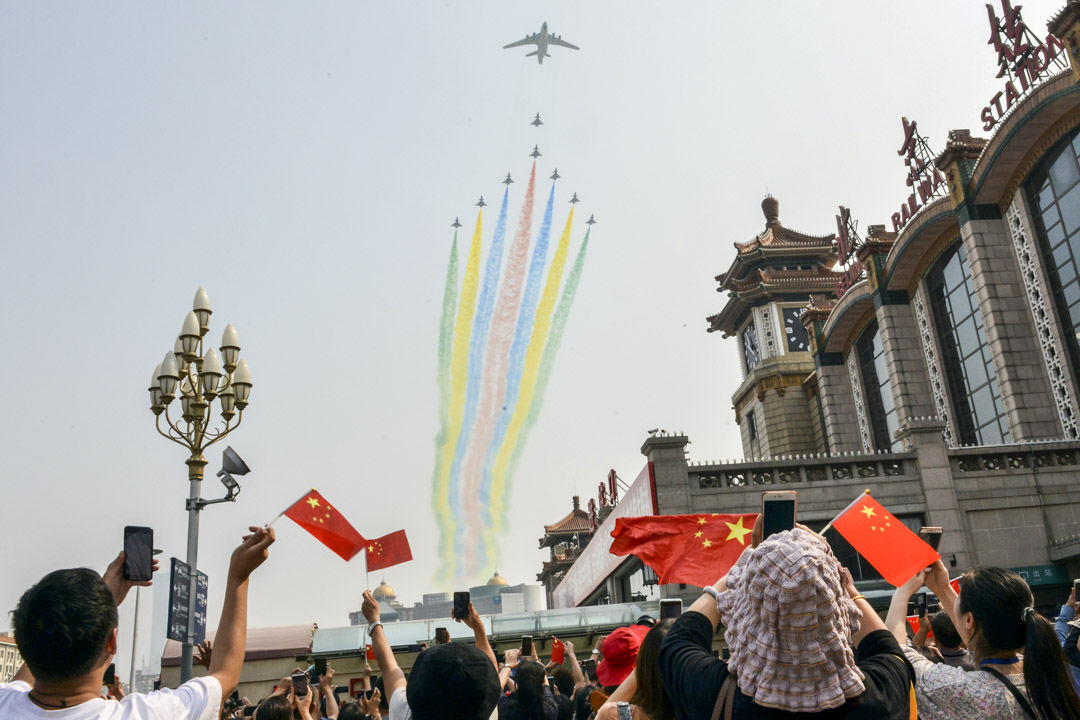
547	362
500	481
485	306
522	333
496	356
444	492
446	329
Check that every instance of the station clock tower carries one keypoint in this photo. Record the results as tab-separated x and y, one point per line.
768	287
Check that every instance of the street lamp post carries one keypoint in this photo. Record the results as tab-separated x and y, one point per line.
199	375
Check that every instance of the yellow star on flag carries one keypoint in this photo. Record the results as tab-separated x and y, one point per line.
701	521
313	502
738	531
698	534
371	548
707	543
867	511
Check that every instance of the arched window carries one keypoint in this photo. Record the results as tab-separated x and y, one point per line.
1054	197
969	369
876	387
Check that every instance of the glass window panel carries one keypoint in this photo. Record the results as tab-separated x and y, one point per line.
1056	233
877	389
1063	253
1069	206
1064	173
983	401
953	275
975	370
1071	293
1051	216
967	334
1045	195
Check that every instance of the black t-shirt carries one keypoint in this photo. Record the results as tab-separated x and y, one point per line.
566	708
1070	647
692	677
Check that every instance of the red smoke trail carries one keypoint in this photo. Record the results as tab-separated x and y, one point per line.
496	363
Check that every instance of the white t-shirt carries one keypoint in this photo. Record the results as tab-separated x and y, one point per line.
399	707
198	699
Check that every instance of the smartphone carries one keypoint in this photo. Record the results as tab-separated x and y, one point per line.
249	710
500	657
526	646
551	681
415	648
138	553
299	684
235	697
442	636
778	511
110	675
317	669
1076	587
920	605
461	605
932	536
671	608
588	667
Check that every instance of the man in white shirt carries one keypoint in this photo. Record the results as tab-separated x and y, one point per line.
65	629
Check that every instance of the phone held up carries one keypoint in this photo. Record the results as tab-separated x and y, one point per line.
778	511
110	675
931	535
921	605
442	635
670	608
138	553
300	684
526	646
461	605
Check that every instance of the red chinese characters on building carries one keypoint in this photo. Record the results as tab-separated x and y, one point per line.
923	177
1022	59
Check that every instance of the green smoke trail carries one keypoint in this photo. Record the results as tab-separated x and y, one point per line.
547	361
446	335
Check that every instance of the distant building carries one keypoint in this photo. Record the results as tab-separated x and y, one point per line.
10	660
493	597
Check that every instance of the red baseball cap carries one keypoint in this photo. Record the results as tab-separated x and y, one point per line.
620	651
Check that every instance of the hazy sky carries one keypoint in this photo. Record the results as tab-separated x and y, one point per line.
303	162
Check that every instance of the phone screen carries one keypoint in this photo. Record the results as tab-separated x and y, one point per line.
110	675
442	636
249	711
299	684
920	604
777	513
461	605
670	609
138	553
589	668
320	667
526	645
1076	587
932	536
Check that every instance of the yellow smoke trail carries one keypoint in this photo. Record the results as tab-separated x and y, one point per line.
459	366
541	326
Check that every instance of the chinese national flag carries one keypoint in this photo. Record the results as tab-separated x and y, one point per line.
558	651
313	513
392	549
691	549
886	543
369	652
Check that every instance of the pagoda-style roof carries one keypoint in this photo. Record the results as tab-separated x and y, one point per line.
576	522
777	262
776	241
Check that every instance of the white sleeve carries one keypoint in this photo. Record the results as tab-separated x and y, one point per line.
197	699
399	705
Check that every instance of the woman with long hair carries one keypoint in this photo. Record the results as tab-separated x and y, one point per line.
532	698
642	695
1021	670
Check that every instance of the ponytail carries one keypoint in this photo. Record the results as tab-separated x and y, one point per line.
1046	671
1002	603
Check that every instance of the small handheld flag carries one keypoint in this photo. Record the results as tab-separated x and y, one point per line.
389	550
313	513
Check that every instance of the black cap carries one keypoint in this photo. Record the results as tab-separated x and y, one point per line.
454	681
646	620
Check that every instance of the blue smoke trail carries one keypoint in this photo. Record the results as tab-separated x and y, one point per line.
485	308
522	333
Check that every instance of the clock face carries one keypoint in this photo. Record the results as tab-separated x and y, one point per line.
798	340
750	347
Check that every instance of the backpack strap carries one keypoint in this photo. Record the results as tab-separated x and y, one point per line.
726	699
1024	703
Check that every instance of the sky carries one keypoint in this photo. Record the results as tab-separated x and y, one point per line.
303	163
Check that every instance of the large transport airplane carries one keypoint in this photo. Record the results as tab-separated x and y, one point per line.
541	40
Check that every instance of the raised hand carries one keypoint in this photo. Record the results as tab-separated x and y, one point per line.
114	578
205	651
371	705
251	553
370	608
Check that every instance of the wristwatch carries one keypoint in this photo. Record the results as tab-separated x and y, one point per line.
710	590
372	626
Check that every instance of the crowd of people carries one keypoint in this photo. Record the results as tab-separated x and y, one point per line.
801	641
